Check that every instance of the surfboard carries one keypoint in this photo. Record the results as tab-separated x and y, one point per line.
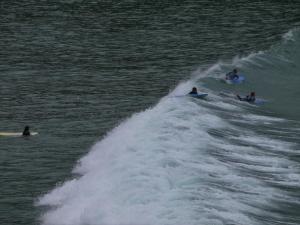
200	95
239	80
15	134
259	101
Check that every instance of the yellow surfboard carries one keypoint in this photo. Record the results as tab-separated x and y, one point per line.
15	134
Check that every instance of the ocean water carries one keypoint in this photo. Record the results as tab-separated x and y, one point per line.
119	144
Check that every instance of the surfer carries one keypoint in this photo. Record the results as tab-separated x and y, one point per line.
248	98
26	131
194	91
232	75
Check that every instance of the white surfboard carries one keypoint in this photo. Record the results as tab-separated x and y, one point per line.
15	134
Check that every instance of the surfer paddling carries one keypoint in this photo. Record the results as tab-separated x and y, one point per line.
26	131
194	91
232	75
248	98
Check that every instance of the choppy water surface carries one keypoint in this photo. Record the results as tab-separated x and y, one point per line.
74	70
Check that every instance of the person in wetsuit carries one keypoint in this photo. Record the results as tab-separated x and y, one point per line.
248	98
232	75
194	91
26	131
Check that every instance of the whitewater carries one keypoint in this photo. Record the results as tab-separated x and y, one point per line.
190	161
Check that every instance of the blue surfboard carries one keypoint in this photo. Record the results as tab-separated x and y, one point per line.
259	101
239	80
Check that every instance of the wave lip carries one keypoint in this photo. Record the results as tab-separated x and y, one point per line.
134	170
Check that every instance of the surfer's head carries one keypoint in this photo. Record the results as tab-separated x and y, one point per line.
252	93
235	70
194	91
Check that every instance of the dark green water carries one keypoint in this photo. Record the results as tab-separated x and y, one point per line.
73	70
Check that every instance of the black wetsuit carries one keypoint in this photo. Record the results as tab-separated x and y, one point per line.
250	98
232	76
26	133
247	98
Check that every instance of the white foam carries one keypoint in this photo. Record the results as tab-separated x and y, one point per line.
267	143
164	166
289	36
262	118
257	119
